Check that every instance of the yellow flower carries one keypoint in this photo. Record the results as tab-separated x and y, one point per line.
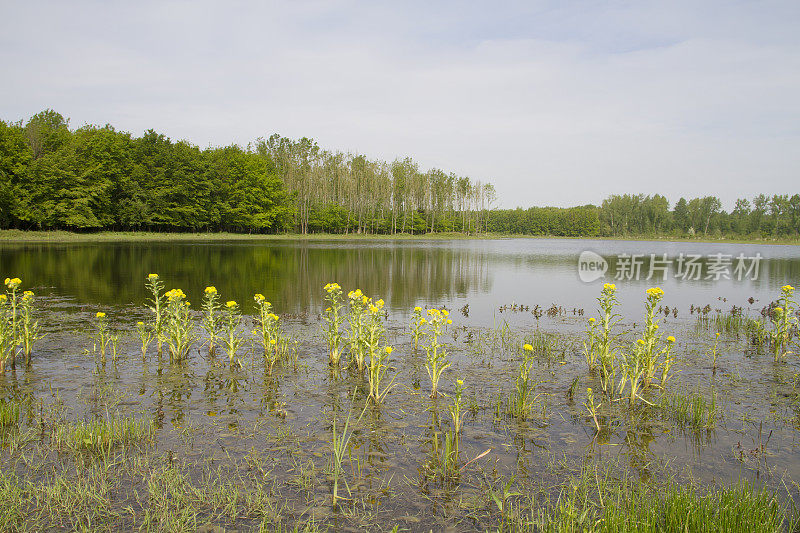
3	298
273	316
671	339
609	287
365	299
418	309
373	309
13	283
259	297
140	323
422	321
331	287
100	314
655	292
152	277
389	349
445	312
175	294
449	321
327	309
787	288
588	390
527	348
778	310
230	304
459	382
273	342
211	290
591	321
379	303
27	295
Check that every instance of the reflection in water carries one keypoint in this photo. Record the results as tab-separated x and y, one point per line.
482	274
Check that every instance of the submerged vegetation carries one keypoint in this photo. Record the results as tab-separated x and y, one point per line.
355	421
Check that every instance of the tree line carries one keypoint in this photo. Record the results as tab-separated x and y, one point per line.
92	178
52	177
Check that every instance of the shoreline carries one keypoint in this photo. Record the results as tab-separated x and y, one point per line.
59	237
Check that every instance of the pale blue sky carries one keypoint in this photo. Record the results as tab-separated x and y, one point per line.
556	103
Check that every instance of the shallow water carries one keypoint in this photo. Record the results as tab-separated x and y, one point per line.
206	410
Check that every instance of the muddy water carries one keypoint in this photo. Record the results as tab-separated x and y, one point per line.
205	410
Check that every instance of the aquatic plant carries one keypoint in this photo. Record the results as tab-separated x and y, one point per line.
417	326
101	436
455	408
713	352
356	317
231	337
145	337
648	356
339	446
178	328
599	348
210	321
522	399
436	357
12	301
267	331
101	334
592	407
29	331
333	322
156	288
784	322
7	340
9	413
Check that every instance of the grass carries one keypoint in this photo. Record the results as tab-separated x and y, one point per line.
102	435
629	506
13	235
692	410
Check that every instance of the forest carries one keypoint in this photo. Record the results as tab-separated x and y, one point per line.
97	178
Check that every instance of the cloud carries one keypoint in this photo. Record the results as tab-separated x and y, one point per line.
556	103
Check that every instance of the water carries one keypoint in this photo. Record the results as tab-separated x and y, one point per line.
487	285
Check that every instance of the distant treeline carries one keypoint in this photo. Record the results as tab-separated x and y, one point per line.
92	178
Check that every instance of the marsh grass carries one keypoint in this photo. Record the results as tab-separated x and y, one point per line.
103	435
9	413
604	505
691	410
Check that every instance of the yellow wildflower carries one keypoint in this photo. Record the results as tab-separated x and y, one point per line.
449	321
211	290
230	304
259	297
389	349
609	287
527	348
671	339
418	309
100	314
445	312
152	277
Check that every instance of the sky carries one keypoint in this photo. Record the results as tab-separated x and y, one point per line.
555	103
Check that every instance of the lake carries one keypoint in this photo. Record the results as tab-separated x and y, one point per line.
500	294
